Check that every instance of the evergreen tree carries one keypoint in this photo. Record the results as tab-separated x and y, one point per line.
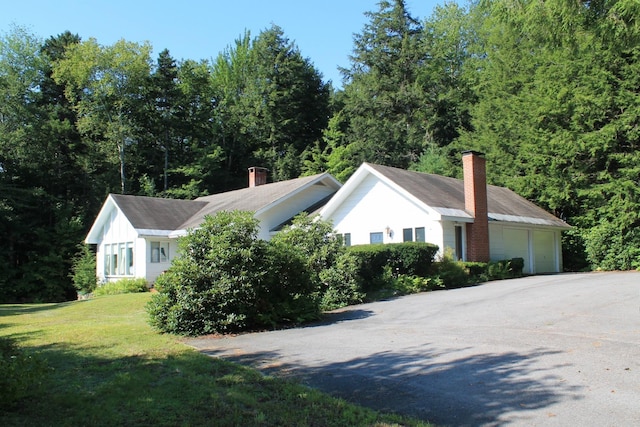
557	115
273	103
385	102
42	200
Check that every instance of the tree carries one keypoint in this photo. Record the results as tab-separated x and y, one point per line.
385	102
557	113
272	103
104	83
42	185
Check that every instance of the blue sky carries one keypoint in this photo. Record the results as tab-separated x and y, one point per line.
201	29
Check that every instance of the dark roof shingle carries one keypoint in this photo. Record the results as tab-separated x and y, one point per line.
154	213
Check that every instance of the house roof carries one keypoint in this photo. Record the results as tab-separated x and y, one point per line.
154	213
169	217
446	196
256	199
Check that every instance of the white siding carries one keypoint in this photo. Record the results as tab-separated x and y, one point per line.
496	242
155	269
117	230
373	206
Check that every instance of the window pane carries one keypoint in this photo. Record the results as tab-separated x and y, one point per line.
114	259
420	234
164	252
129	259
107	260
375	237
347	239
407	234
123	259
155	251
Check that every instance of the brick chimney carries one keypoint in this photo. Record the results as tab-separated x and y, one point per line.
475	203
257	176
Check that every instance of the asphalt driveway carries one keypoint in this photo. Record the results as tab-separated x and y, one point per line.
546	350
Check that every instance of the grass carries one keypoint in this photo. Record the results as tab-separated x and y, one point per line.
107	367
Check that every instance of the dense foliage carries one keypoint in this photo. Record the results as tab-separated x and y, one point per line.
227	280
332	268
84	270
548	90
373	261
122	286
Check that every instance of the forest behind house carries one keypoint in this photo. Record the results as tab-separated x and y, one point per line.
549	91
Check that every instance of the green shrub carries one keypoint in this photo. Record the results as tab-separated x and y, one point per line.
341	283
476	269
333	272
498	270
122	286
406	284
21	374
516	267
610	247
453	274
228	280
370	263
83	270
410	258
574	254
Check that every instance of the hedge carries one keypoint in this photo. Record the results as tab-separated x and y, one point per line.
409	258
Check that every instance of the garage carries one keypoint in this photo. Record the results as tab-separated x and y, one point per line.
544	251
516	245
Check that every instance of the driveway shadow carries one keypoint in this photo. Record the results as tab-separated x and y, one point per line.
469	390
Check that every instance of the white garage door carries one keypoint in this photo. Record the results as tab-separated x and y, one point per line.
516	245
544	251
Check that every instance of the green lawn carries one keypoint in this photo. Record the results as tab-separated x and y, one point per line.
106	366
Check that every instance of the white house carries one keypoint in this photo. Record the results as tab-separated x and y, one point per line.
137	236
380	204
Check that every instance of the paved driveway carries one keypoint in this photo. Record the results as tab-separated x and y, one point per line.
547	350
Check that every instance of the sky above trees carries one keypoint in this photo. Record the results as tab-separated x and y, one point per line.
200	29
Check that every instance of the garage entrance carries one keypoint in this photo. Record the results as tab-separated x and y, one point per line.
544	251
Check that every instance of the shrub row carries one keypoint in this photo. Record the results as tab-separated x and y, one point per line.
122	286
457	274
228	280
409	258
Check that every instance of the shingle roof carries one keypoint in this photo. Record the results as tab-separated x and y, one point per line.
246	199
446	195
154	213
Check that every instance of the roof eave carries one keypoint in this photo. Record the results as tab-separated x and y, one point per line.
105	210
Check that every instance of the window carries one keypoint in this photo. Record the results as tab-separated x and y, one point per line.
375	237
118	259
130	270
407	234
345	239
159	252
420	234
122	258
